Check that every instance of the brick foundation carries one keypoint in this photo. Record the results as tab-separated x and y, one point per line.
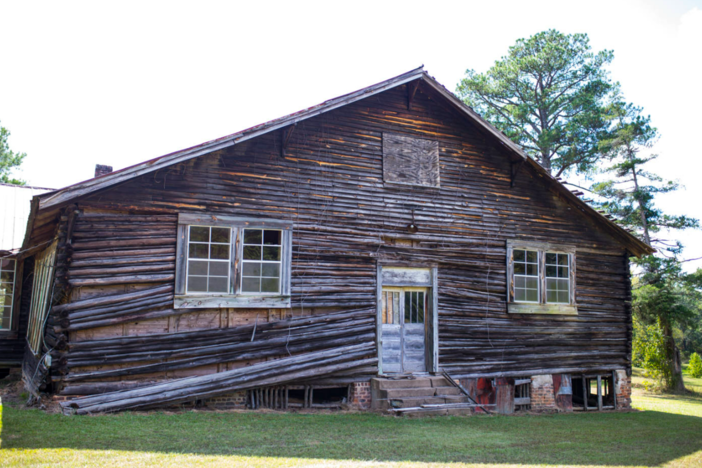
235	400
622	389
542	395
360	395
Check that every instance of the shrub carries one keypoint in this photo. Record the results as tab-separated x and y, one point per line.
695	366
649	352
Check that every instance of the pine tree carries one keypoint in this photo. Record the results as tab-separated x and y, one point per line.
9	160
662	291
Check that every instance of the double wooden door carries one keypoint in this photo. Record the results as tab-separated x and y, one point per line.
404	313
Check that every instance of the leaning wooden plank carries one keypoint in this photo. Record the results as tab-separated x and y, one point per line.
320	363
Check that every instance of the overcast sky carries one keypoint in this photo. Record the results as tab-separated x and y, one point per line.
84	83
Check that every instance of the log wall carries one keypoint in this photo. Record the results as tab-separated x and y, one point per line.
329	183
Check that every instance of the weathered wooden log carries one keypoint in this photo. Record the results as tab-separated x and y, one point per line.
113	298
322	363
135	279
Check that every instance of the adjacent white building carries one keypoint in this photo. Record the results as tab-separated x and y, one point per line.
15	202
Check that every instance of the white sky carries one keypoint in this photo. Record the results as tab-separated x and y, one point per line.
83	83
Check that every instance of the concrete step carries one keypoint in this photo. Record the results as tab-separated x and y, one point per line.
425	412
408	392
448	391
386	384
418	392
439	382
412	402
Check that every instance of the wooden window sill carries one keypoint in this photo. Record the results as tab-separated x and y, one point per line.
547	309
214	301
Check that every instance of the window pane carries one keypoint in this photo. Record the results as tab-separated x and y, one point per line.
6	296
551	258
562	272
532	283
408	307
251	285
520	295
519	255
221	235
532	295
271	269
220	252
532	256
219	268
563	259
197	251
563	297
269	285
7	276
199	234
271	237
271	253
5	318
218	284
519	268
520	282
420	309
252	252
551	296
197	267
7	264
532	270
251	269
197	284
252	236
551	271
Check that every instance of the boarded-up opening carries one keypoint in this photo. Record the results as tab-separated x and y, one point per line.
411	161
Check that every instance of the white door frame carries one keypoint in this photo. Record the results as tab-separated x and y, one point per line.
392	276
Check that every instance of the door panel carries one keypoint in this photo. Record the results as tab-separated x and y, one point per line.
403	330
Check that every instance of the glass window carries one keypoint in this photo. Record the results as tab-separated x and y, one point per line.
7	287
261	261
209	257
526	275
557	278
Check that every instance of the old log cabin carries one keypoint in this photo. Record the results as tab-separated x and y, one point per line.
387	249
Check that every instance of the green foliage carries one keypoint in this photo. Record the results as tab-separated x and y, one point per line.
695	366
649	353
9	160
664	297
629	196
550	95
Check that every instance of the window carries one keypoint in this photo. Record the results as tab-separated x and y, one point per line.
42	282
261	261
226	261
7	292
541	278
209	257
410	161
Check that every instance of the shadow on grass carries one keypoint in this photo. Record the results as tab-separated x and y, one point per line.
637	438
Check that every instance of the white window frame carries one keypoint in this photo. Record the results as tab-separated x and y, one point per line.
236	297
244	261
187	262
542	306
12	295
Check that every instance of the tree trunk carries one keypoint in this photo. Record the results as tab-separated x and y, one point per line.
675	383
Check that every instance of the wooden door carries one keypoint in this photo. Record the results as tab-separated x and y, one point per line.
403	330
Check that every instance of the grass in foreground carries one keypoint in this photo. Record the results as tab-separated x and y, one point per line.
668	432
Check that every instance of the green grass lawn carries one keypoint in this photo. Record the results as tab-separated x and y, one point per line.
667	432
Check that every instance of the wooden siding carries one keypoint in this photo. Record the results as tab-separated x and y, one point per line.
346	221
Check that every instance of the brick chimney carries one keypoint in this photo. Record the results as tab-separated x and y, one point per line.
101	169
